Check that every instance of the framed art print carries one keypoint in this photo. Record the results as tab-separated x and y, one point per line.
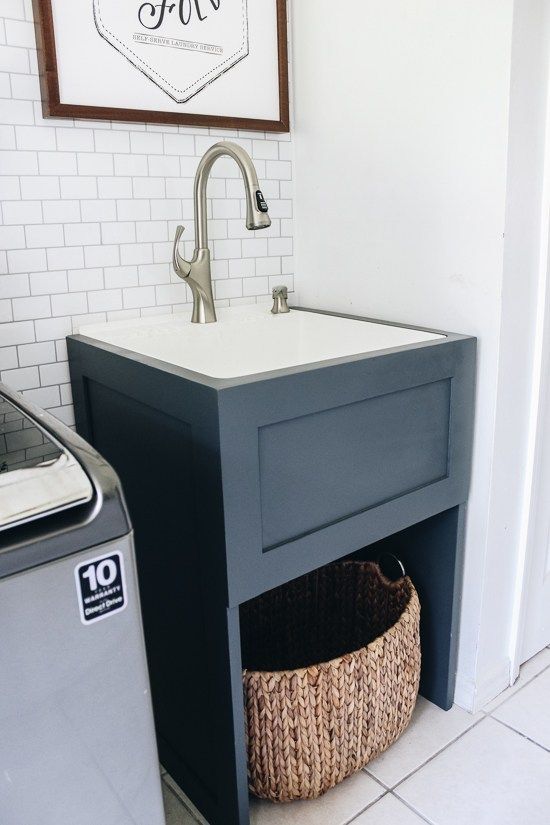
219	63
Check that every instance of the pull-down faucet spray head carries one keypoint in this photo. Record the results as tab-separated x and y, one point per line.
197	271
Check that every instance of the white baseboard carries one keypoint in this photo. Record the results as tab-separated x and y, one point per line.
472	695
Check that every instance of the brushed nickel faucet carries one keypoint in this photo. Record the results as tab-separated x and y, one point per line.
197	272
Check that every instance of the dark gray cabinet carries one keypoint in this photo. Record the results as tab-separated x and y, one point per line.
237	486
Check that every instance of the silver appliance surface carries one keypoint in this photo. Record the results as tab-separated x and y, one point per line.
37	474
78	743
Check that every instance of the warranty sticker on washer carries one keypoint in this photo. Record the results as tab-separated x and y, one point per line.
101	587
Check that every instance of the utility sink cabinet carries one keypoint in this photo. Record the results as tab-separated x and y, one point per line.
237	483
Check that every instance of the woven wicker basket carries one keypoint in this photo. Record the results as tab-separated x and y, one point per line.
309	726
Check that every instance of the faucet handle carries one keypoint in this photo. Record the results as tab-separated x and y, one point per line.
182	268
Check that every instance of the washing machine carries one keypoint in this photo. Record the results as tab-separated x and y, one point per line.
77	741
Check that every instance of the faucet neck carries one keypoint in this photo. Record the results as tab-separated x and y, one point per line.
250	178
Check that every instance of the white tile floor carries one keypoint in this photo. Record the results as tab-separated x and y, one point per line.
447	769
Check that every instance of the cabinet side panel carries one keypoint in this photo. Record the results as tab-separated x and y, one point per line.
153	454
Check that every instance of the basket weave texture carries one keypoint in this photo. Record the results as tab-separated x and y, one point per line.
309	726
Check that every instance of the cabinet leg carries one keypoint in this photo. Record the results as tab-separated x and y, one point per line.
432	552
216	726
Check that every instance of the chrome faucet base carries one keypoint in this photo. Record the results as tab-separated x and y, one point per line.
197	271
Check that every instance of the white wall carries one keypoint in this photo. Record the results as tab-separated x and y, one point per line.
88	213
402	196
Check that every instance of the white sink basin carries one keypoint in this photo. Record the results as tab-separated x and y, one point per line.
248	340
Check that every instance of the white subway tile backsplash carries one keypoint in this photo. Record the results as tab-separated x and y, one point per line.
280	246
164	166
78	187
117	232
6	311
31	354
57	373
176	144
136	253
75	140
133	210
172	294
12	237
8	356
114	187
5	87
57	163
10	188
17	332
89	212
27	260
13	9
150	274
13	59
112	141
14	162
105	300
61	211
26	309
20	33
149	187
14	285
43	396
21	379
95	163
39	187
96	210
48	283
131	164
24	87
140	296
254	248
71	303
35	137
268	266
69	257
44	236
227	249
120	276
151	231
51	328
16	112
80	280
102	255
146	143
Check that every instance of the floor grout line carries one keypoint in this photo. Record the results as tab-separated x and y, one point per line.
362	811
414	810
519	733
437	753
411	808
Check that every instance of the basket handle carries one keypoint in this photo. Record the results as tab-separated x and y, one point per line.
392	567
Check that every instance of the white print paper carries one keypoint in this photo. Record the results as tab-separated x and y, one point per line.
212	57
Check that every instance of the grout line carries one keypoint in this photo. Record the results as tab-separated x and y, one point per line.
519	733
415	811
362	811
437	753
410	807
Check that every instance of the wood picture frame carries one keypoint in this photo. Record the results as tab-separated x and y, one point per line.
54	105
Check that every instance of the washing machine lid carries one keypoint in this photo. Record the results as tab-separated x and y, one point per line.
38	475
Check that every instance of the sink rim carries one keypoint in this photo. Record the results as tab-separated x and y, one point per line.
217	382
